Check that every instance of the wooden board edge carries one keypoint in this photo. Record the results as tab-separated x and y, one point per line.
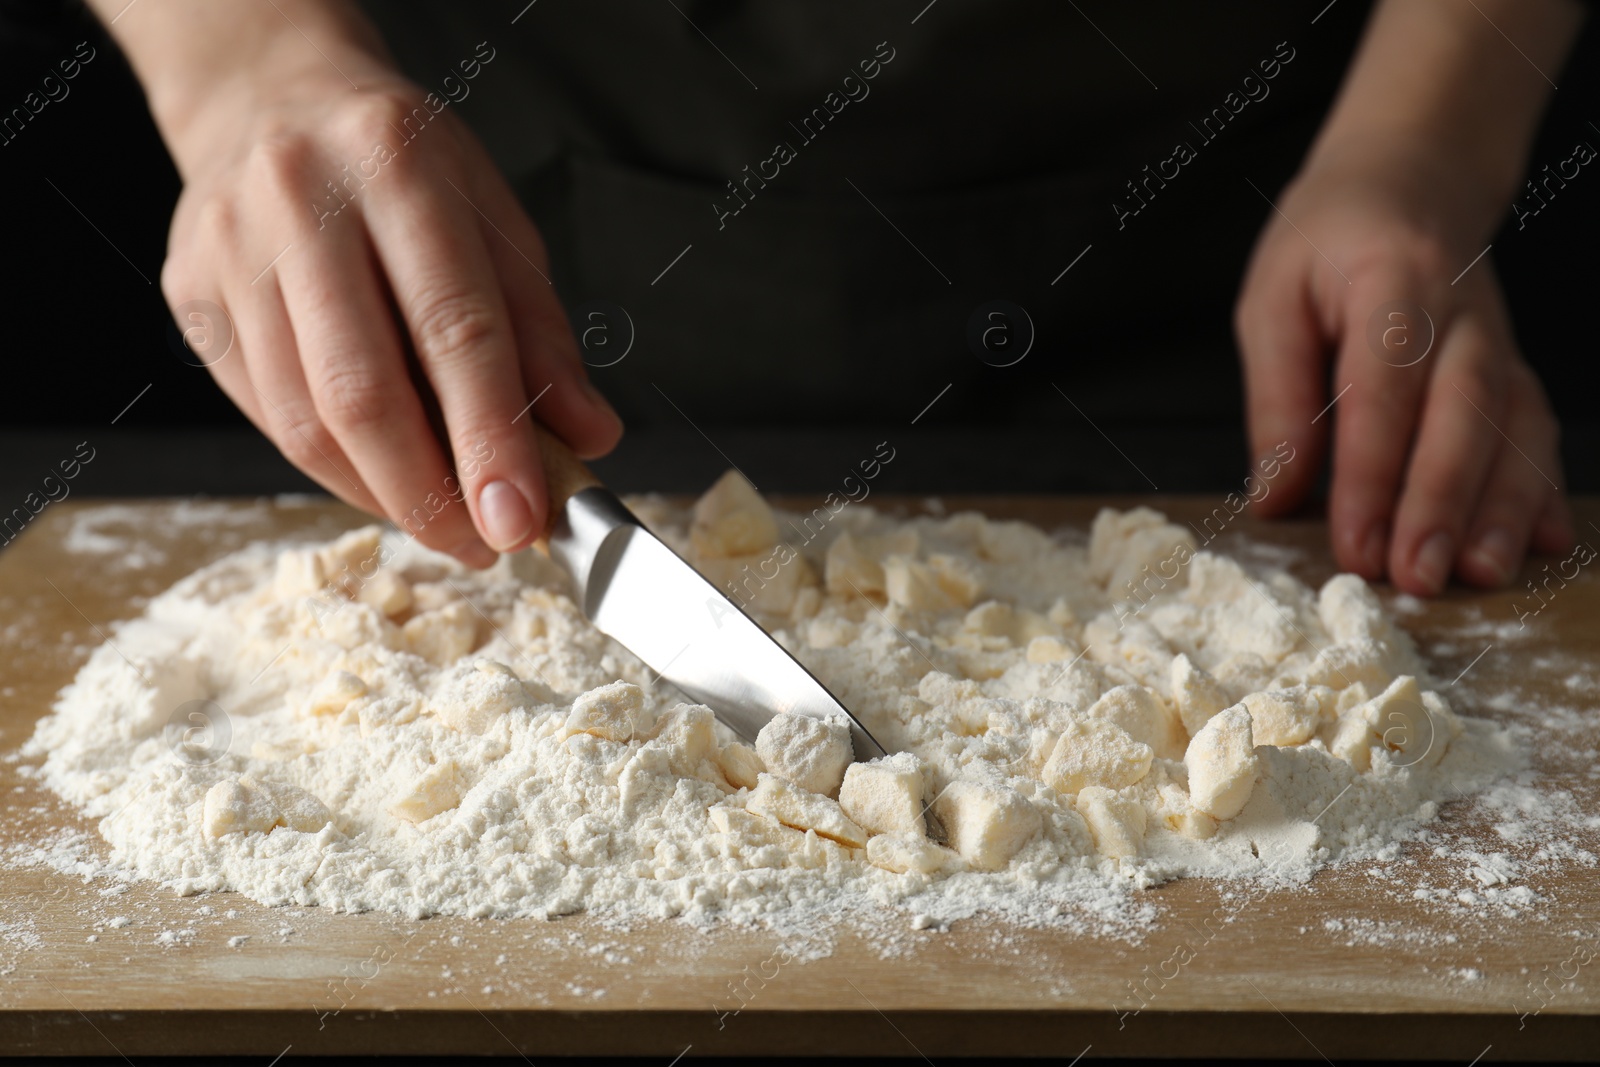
1552	1037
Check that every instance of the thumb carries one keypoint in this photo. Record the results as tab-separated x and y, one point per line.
1283	349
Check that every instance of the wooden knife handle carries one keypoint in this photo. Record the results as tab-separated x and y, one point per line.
564	474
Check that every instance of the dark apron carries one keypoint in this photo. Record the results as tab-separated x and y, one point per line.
976	165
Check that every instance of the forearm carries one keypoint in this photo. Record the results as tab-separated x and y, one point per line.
191	54
1458	81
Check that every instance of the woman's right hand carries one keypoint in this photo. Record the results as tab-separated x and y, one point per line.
344	226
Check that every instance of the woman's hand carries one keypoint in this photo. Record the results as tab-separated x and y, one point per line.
1444	454
379	275
1444	445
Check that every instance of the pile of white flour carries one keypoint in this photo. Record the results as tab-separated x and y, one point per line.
365	724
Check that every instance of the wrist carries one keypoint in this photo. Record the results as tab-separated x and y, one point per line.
207	67
198	114
1435	95
1434	180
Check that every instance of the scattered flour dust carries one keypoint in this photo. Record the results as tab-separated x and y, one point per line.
366	725
118	534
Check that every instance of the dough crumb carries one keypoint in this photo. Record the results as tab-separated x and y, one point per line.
987	824
811	753
782	802
245	805
740	764
731	520
1096	753
886	795
903	853
1222	763
1117	823
615	712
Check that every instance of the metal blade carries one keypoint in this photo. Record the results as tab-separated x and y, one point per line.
637	590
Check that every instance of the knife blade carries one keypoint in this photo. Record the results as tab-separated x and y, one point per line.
637	590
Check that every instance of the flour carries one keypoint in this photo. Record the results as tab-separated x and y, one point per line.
117	535
366	725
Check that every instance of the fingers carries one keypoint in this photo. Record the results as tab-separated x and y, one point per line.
1522	492
232	377
357	379
281	402
572	408
451	300
322	368
1282	348
1377	415
1457	442
1555	531
260	370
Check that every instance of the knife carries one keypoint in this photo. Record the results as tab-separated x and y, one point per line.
635	589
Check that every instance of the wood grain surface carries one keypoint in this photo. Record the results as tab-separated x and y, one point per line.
1286	979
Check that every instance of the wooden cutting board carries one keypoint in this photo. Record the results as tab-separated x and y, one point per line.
1329	971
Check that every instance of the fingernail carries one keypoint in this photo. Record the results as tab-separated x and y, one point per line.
506	517
474	553
1433	561
1495	551
1374	548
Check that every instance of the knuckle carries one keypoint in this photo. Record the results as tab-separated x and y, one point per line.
285	172
303	438
1481	387
452	326
282	158
1511	502
1412	258
472	451
1427	255
218	220
379	115
353	399
1436	497
1381	404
